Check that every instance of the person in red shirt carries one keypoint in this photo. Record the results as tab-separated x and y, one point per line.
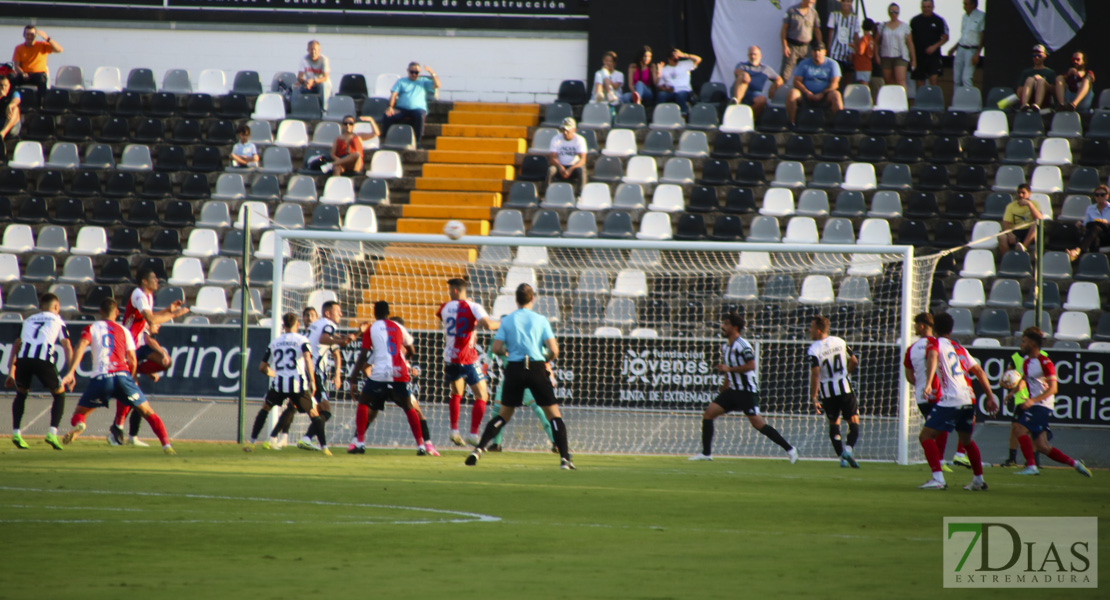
346	152
30	59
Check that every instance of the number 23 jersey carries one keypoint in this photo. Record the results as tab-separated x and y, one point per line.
286	357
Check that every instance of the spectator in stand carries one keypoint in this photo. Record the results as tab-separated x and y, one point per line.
244	155
965	55
608	81
751	77
643	76
801	27
346	151
816	80
408	100
1035	83
863	60
674	78
567	159
29	59
929	32
315	74
1074	88
1021	211
843	34
1095	224
896	50
9	115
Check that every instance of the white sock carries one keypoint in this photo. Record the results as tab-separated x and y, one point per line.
960	455
306	439
16	432
253	440
938	476
456	431
53	431
977	479
166	446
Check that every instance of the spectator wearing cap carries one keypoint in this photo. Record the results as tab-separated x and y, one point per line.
816	82
29	59
9	115
408	100
567	159
1035	83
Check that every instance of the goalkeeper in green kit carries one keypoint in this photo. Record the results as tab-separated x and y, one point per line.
491	364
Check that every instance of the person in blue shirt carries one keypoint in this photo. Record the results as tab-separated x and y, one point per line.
9	115
816	83
751	77
408	100
526	340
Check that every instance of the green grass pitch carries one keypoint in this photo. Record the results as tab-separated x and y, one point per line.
212	523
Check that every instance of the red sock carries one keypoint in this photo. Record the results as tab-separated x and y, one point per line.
159	428
931	454
121	413
1027	450
149	366
362	420
975	458
455	407
941	441
77	418
960	448
476	413
414	424
1060	457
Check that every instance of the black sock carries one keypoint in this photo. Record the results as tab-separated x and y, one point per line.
318	424
492	429
425	431
324	418
325	415
311	431
834	435
1013	454
707	437
135	423
774	435
559	432
853	434
17	409
57	409
285	421
259	423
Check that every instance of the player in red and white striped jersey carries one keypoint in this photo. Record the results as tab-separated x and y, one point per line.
112	376
140	318
461	318
1032	426
947	369
915	374
386	347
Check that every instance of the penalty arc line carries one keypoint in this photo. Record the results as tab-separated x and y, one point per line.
459	516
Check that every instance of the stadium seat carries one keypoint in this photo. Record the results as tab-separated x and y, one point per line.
641	170
136	158
742	288
620	143
667	198
984	235
762	146
106	212
187	272
27	155
617	225
993	125
801	230
838	230
325	218
373	192
78	270
631	116
789	174
508	222
107	79
886	204
727	228
203	243
810	120
778	202
857	97
764	229
750	173
1047	180
849	204
595	196
703	117
1073	327
774	118
968	293
211	301
860	177
76	129
967	100
291	133
212	82
386	164
826	175
715	172
199	106
655	226
1007	178
678	171
813	203
40	269
269	107
301	188
1019	151
993	322
847	122
339	190
1005	293
780	288
559	195
892	98
1083	180
581	224
32	211
288	215
1083	296
909	150
1092	267
595	116
667	116
171	159
1027	124
267	247
1066	125
981	151
259	216
573	91
874	232
738	119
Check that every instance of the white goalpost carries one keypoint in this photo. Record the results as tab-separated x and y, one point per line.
639	324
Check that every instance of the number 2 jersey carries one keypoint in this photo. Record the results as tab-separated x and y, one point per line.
460	317
286	357
110	344
385	343
953	364
831	354
40	334
915	362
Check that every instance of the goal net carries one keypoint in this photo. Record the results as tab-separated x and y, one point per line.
639	327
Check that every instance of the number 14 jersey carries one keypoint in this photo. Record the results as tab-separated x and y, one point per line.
831	355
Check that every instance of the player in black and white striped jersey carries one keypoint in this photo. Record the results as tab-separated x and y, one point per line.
831	362
288	364
740	390
35	356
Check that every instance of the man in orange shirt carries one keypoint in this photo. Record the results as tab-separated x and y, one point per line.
30	59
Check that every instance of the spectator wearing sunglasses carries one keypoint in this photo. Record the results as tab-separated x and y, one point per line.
346	151
1035	83
1095	224
408	100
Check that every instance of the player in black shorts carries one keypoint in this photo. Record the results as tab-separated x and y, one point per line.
34	357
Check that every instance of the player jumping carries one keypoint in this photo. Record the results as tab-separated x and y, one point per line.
34	356
947	366
113	369
460	318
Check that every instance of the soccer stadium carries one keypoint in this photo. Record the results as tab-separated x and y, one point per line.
572	298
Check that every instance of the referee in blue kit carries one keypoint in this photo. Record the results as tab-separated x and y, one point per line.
525	338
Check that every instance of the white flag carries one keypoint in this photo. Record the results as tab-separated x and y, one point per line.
1053	22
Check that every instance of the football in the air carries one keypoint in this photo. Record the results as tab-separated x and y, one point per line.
1010	379
454	229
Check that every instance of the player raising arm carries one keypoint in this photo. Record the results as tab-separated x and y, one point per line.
947	366
288	364
831	362
113	370
34	356
461	318
1032	427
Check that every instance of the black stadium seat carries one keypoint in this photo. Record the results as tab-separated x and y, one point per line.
573	91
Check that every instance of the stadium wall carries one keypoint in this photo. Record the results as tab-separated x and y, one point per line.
485	65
